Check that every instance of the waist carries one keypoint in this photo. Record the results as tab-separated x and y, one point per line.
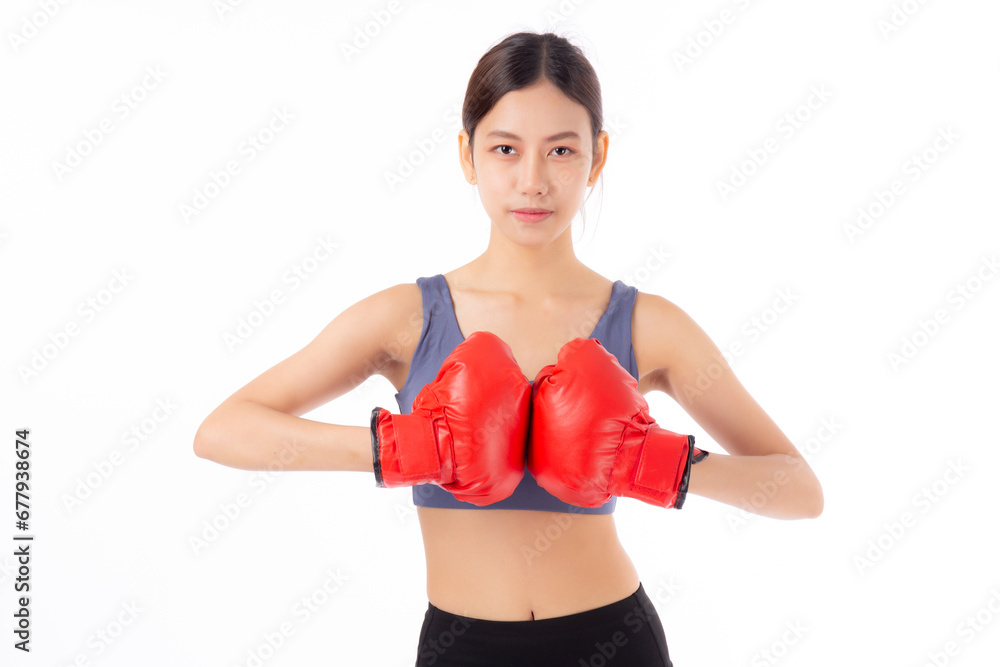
516	565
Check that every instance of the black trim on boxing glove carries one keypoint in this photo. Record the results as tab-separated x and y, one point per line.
683	488
376	461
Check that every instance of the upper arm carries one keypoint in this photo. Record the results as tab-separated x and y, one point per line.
680	359
366	339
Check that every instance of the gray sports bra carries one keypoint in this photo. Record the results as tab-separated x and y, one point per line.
440	335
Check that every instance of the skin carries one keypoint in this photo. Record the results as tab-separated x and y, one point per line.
529	289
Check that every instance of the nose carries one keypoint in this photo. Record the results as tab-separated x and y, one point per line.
533	178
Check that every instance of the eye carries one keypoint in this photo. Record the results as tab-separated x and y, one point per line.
569	151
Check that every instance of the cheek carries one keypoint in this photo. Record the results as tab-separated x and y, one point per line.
571	175
566	179
494	178
493	187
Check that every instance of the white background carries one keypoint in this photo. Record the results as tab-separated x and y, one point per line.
885	576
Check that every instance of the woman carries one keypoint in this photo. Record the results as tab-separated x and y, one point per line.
522	455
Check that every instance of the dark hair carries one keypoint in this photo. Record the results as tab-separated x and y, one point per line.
523	59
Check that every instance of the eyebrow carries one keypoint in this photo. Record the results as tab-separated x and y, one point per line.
510	135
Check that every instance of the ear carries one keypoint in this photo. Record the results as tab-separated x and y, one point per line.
600	156
465	156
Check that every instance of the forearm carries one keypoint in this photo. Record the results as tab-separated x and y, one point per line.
775	485
251	436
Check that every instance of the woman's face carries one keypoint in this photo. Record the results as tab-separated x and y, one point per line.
533	150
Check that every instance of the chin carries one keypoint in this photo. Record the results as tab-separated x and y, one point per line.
533	240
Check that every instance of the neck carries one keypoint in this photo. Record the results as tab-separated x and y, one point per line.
549	269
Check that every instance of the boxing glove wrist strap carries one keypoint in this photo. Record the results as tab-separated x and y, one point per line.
421	463
661	473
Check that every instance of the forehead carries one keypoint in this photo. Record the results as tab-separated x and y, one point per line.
539	110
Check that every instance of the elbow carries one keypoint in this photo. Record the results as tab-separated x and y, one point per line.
810	491
204	443
815	506
215	433
812	505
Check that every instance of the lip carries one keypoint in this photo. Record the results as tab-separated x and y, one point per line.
531	214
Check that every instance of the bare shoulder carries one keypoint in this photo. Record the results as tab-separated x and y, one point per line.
401	309
665	338
380	331
396	319
387	318
372	336
678	358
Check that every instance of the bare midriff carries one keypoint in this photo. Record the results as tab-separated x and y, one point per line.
518	565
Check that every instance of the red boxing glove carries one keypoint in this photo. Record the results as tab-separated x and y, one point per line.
591	435
468	428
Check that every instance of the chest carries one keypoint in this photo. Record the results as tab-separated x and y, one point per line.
534	331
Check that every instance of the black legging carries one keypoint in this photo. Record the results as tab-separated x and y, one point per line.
627	633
